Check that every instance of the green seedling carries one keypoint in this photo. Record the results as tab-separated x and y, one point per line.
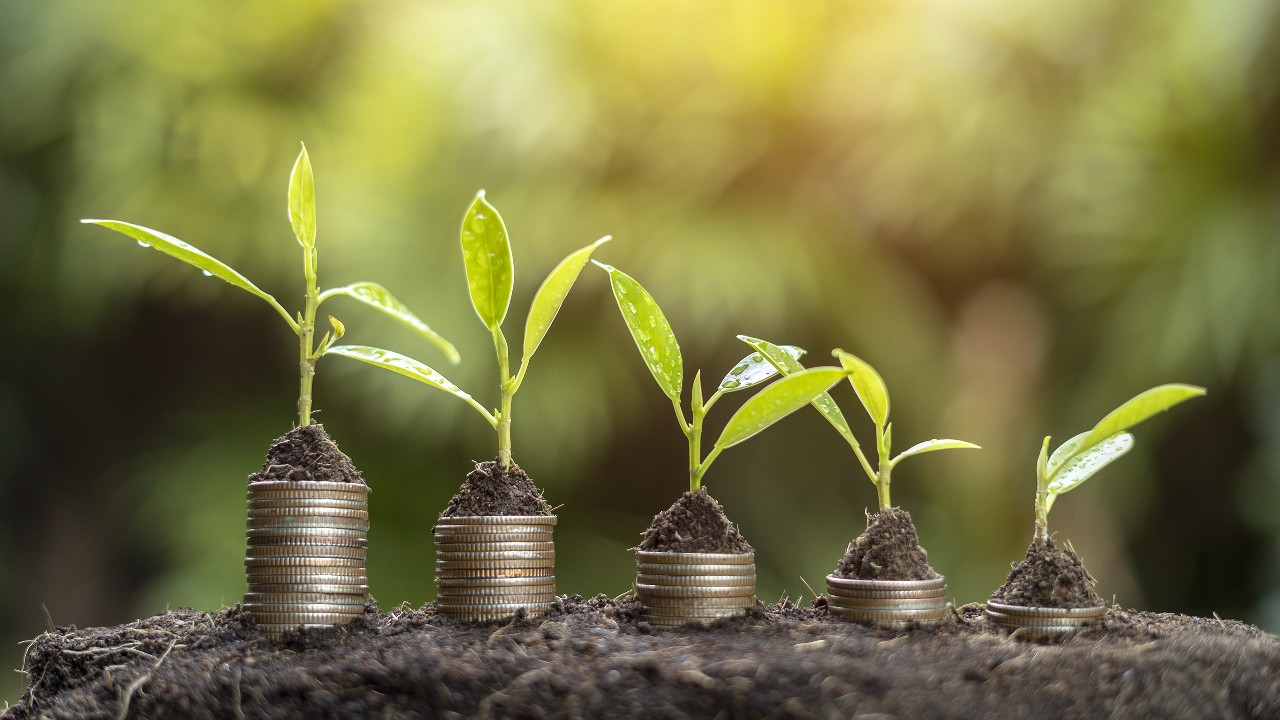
874	395
486	254
302	216
661	353
1081	457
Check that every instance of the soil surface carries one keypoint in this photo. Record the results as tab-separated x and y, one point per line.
1049	577
695	523
889	549
491	491
595	659
307	454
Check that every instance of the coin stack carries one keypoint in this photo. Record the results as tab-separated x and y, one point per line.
305	558
677	588
887	603
1042	623
489	567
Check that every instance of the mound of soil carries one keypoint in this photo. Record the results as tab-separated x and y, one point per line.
889	549
694	523
307	454
490	490
1049	577
594	659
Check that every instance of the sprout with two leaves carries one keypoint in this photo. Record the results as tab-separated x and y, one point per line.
302	217
661	353
486	253
874	395
1081	457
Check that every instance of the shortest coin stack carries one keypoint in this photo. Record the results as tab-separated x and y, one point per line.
888	603
305	559
1043	623
489	567
678	588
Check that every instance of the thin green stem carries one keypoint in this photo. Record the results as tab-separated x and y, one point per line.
696	466
862	458
882	489
507	388
1042	512
714	397
306	337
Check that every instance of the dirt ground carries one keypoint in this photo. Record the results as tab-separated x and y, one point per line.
596	659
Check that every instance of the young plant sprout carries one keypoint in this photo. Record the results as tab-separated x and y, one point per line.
302	216
486	254
1081	457
874	395
661	353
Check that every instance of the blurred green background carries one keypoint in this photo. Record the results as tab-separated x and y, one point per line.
1021	214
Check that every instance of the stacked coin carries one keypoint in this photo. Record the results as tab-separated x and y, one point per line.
1042	623
305	558
678	588
489	567
887	603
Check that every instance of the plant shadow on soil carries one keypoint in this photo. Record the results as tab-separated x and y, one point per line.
597	658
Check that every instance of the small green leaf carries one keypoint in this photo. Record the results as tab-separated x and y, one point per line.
486	254
651	331
1042	461
1137	409
174	247
1084	465
338	328
302	200
1066	450
776	402
376	296
788	365
756	368
551	295
932	445
868	384
408	367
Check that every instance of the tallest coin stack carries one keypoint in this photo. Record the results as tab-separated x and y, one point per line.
305	556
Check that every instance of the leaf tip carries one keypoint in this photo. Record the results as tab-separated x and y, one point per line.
607	268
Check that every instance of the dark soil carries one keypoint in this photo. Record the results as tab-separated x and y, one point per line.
595	659
1049	577
695	523
491	491
307	454
889	549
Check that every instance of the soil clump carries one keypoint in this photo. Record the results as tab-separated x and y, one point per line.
489	490
694	523
889	549
594	658
307	454
1049	577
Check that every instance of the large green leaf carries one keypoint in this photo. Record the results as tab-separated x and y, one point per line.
408	367
931	446
776	402
486	254
1087	463
302	200
376	296
868	384
784	361
756	368
551	295
209	265
1137	409
651	331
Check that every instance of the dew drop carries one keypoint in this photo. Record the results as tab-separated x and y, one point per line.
731	384
206	273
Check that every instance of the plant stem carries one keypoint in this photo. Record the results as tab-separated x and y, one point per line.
882	488
696	466
507	388
1042	513
306	337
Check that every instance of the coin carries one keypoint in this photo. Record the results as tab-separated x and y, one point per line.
693	581
699	569
674	558
643	591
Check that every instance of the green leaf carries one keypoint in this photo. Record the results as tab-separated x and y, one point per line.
788	365
174	247
1042	461
868	384
408	367
376	296
1137	409
302	200
756	368
551	295
932	445
1084	465
1065	450
486	254
651	331
776	402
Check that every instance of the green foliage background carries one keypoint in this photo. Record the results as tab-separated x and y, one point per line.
1020	214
